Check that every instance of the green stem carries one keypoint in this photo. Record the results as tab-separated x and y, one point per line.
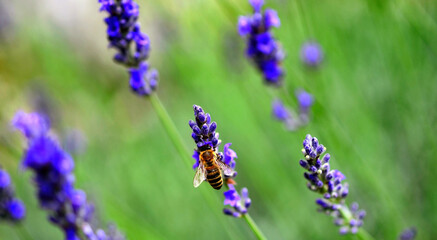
178	142
23	232
254	227
171	129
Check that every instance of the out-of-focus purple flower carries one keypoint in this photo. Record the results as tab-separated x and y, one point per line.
265	52
54	179
30	124
123	31
239	204
321	179
305	101
280	112
311	54
256	4
408	234
284	114
143	81
11	208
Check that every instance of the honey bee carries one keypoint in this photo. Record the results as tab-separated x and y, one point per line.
210	168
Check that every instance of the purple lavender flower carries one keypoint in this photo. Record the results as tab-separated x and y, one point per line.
329	183
265	52
311	54
408	234
280	112
54	179
11	208
240	204
31	125
305	101
284	114
123	30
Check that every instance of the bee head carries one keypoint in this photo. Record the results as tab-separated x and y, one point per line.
205	147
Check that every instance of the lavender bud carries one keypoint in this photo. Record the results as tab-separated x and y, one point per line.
213	126
313	169
201	117
205	129
192	124
343	230
326	158
304	164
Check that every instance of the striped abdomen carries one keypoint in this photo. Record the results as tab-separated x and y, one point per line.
214	177
213	173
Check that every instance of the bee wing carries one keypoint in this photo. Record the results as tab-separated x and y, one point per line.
200	175
227	170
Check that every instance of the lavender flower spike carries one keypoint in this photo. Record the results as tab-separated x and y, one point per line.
11	208
265	52
329	183
54	179
205	135
123	31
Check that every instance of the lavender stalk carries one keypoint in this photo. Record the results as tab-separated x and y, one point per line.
207	143
329	183
267	55
54	179
132	45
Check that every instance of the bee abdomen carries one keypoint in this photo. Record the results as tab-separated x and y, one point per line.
215	179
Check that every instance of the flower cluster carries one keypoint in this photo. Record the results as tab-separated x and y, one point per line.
329	183
11	208
408	234
262	48
288	117
122	31
240	204
204	133
53	176
311	54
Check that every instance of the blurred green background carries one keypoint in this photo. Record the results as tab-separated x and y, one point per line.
375	111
